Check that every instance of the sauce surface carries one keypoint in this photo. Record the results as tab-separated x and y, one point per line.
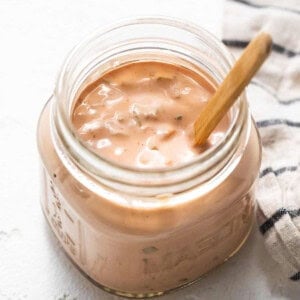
142	115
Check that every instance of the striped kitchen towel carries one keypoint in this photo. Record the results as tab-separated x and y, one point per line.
274	98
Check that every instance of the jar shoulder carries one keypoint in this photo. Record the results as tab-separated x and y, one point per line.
100	210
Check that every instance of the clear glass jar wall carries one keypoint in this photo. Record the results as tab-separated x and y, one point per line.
141	233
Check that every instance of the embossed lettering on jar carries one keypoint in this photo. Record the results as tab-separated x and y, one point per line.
134	227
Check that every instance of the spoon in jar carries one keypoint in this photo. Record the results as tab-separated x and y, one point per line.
230	89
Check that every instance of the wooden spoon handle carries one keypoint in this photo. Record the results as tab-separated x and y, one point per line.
227	93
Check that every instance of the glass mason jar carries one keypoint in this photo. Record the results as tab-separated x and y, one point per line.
135	232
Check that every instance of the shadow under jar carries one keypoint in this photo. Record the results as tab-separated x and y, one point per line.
143	232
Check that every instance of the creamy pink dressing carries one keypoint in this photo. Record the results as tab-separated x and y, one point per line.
142	114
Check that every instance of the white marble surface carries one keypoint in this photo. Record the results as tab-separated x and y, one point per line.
34	38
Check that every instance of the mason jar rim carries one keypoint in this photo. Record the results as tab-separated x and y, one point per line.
66	142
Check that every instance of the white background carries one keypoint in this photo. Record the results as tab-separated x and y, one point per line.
35	36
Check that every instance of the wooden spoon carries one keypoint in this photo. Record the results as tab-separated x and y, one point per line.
227	93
